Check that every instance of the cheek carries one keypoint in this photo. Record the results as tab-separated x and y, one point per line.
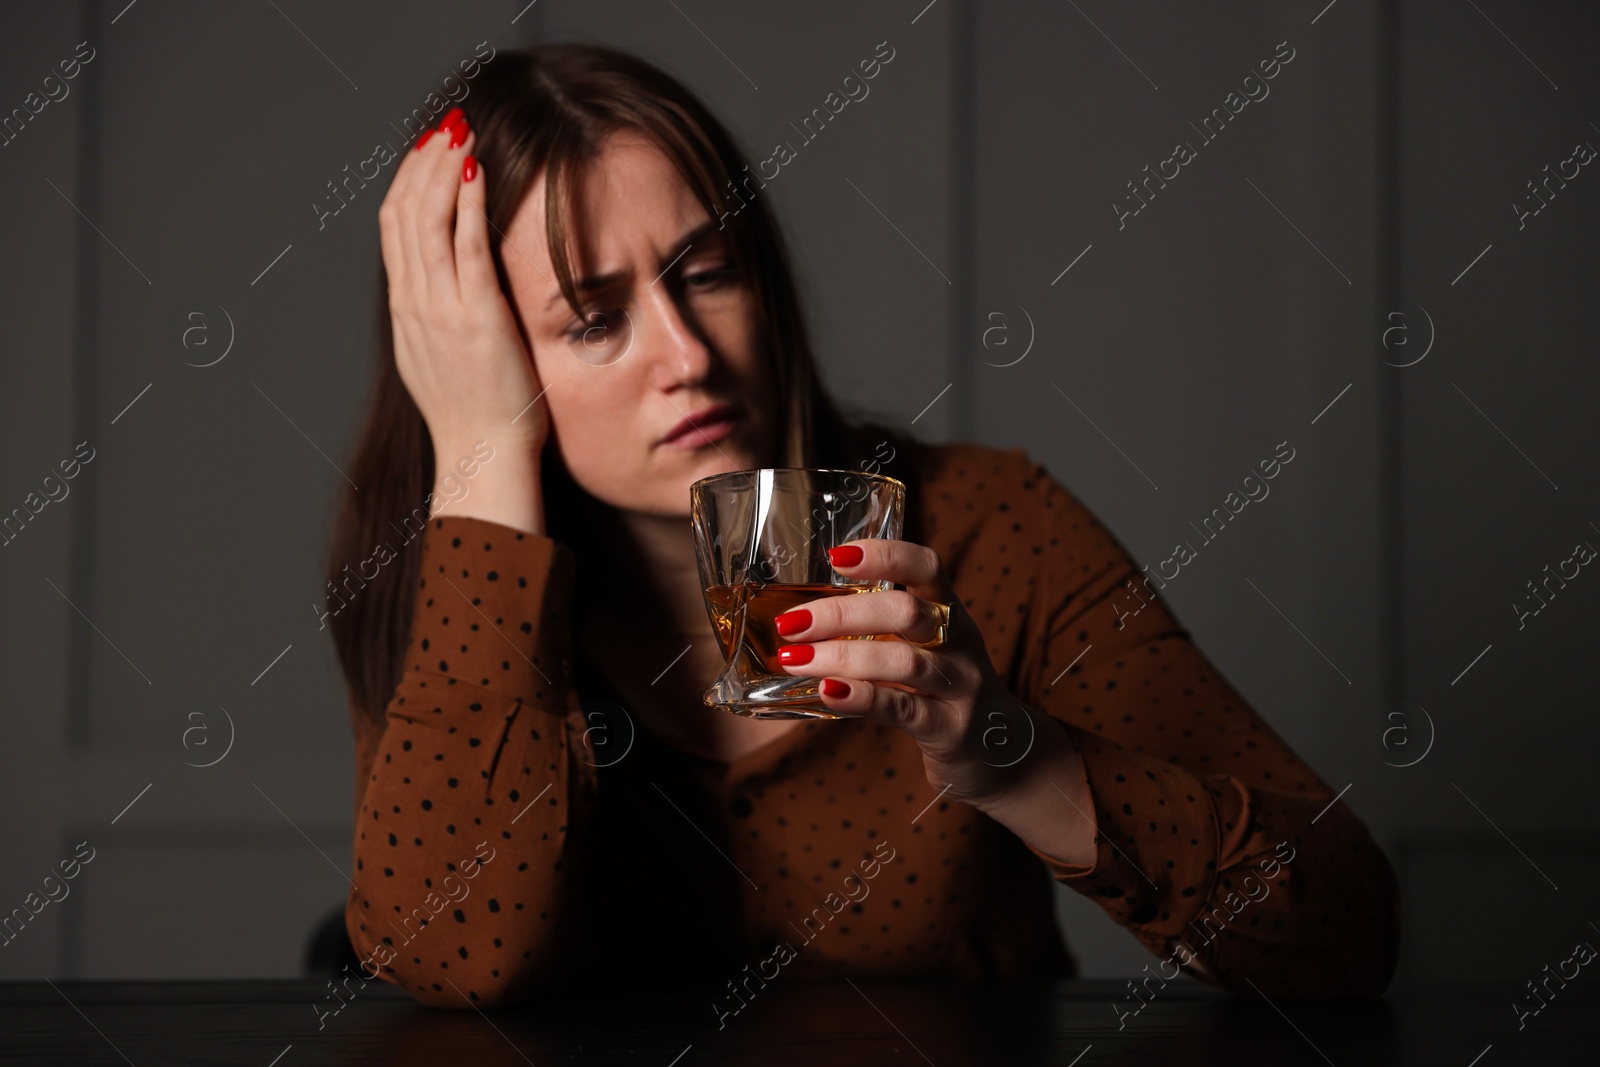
733	327
592	425
732	324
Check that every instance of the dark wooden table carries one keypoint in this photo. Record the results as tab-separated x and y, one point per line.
833	1024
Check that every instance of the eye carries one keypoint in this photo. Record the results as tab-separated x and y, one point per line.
594	319
710	279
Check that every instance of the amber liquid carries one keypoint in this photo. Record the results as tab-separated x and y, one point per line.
760	604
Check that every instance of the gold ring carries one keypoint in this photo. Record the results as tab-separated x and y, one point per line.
941	612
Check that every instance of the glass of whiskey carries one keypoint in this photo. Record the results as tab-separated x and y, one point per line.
761	540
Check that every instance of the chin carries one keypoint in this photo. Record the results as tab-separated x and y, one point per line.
708	462
680	469
736	452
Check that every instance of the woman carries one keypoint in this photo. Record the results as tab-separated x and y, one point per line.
582	320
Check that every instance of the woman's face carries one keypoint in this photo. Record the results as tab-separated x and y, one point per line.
669	332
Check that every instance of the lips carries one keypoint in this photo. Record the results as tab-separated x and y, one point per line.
707	419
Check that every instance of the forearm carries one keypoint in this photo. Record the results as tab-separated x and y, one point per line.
474	760
1238	885
1196	801
1323	922
463	867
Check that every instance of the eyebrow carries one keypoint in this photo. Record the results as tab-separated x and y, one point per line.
600	281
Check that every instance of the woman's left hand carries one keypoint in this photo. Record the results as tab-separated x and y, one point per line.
949	699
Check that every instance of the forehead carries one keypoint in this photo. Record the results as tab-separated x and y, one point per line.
629	197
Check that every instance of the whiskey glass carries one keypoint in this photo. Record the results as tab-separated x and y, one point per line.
761	540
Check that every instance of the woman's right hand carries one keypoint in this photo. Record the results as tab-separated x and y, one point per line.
457	345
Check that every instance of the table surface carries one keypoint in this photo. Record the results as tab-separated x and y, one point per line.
833	1023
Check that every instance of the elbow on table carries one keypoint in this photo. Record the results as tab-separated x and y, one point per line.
462	988
1356	959
1343	945
438	983
449	965
481	979
458	984
1365	946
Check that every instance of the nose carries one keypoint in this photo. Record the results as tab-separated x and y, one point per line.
668	335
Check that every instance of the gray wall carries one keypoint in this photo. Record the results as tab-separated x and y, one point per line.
165	604
1496	437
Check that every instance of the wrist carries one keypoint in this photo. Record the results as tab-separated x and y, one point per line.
1047	802
489	449
1049	750
498	484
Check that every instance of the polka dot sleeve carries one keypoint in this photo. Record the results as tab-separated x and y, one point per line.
1215	841
462	873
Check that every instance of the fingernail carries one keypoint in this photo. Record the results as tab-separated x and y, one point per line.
451	117
795	655
424	139
458	134
469	171
792	622
832	687
846	555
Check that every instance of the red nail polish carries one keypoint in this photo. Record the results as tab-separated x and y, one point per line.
423	139
469	168
795	655
792	622
846	555
832	687
458	134
451	117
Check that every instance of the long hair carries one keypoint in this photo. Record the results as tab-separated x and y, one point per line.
548	110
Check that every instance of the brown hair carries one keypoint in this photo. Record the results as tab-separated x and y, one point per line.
547	110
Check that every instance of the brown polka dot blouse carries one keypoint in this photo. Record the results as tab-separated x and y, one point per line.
497	855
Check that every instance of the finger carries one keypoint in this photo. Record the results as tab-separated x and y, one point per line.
917	567
410	163
435	218
389	239
892	707
407	288
892	611
408	205
475	272
450	118
393	215
894	662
